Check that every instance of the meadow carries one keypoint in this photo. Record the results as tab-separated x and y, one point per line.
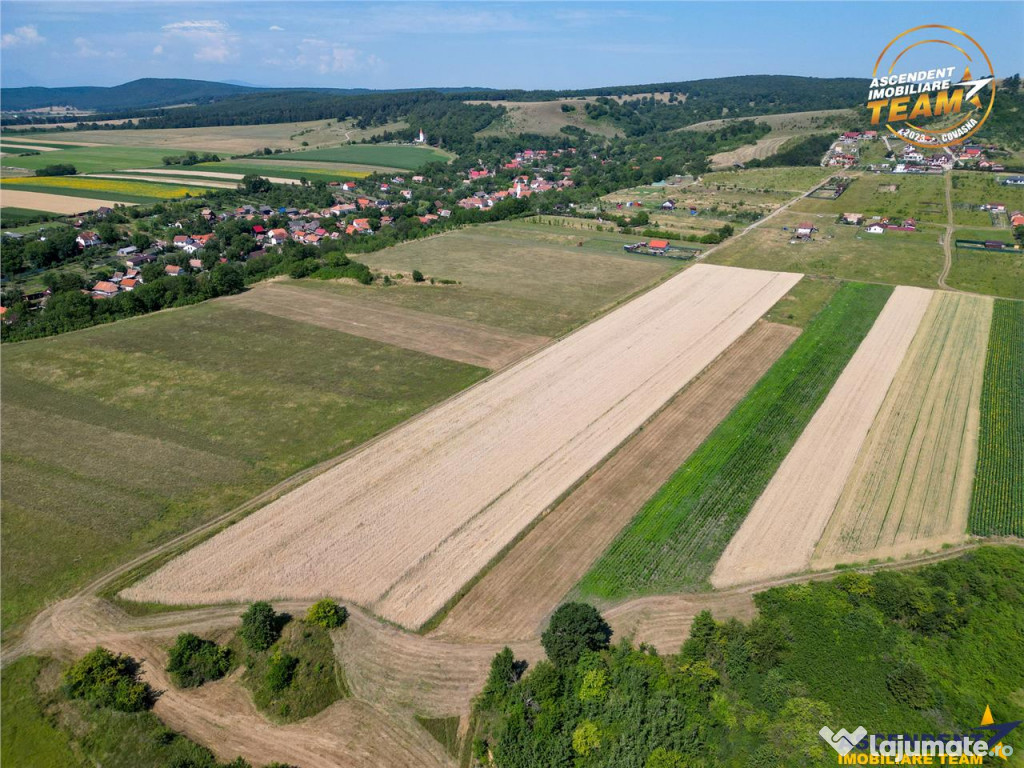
921	197
224	140
792	181
184	423
123	190
976	189
838	250
286	170
675	540
93	159
997	506
402	157
998	273
545	118
523	277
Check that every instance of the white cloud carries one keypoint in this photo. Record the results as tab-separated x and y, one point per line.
325	58
158	50
86	50
276	28
27	35
210	40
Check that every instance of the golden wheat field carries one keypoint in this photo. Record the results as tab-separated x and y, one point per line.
402	524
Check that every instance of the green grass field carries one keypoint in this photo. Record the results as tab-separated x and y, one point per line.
281	170
976	189
803	302
524	277
999	273
789	180
96	159
838	250
13	217
386	155
186	414
120	190
677	537
920	197
997	507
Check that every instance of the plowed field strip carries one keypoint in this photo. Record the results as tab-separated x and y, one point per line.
779	534
445	337
911	485
515	597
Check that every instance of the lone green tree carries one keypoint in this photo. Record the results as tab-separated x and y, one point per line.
327	614
260	626
574	629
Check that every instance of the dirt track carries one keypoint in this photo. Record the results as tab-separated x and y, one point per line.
515	597
779	534
402	525
450	338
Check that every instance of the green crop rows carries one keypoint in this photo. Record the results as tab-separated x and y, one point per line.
998	503
675	540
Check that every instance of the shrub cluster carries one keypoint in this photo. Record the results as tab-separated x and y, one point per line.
108	680
194	661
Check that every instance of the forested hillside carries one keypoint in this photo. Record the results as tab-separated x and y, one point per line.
922	651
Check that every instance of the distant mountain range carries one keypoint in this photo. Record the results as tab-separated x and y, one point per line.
152	92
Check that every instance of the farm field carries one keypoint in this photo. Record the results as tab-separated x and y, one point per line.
284	169
400	156
526	278
800	305
544	118
513	599
791	181
998	273
92	159
185	422
997	505
779	534
678	536
550	419
228	139
917	196
459	340
12	216
910	488
838	250
51	203
127	191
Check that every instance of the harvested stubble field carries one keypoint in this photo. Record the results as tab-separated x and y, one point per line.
200	176
780	533
290	169
679	535
230	139
527	278
513	599
997	505
42	201
910	489
479	468
838	250
183	422
446	337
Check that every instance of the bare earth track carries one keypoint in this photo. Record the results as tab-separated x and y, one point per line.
515	597
401	526
779	534
450	338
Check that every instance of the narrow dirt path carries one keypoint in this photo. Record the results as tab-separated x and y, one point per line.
947	239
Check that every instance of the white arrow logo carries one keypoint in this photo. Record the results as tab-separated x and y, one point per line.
842	741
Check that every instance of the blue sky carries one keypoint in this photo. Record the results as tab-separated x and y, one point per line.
504	45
